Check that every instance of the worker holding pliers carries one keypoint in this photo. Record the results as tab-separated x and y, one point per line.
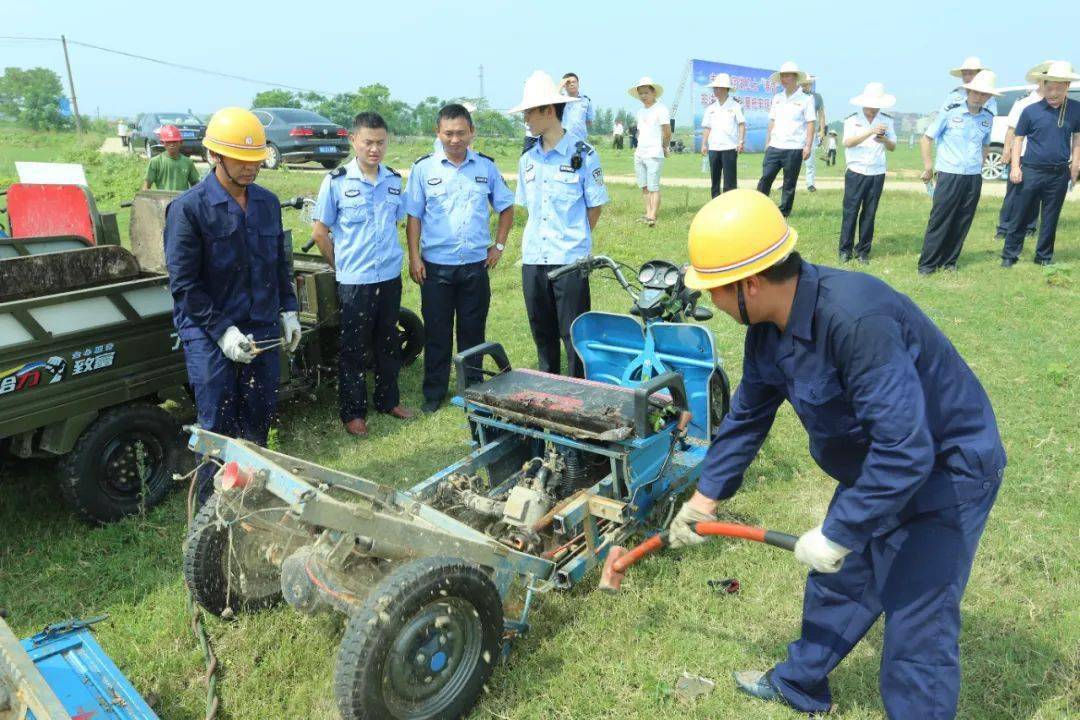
894	414
234	304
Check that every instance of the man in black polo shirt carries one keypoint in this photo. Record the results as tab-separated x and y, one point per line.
1052	158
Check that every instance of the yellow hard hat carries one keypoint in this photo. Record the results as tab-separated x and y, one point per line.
734	236
235	132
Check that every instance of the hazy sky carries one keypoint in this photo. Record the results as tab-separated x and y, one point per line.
420	48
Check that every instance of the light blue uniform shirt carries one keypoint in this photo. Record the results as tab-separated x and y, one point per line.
959	95
452	206
557	197
363	217
960	137
576	115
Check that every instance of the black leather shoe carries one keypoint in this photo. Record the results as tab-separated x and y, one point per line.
1007	263
845	257
864	259
431	406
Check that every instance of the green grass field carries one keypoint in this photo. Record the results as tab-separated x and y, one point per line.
589	655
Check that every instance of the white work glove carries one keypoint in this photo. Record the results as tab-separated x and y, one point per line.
291	325
681	533
819	552
237	346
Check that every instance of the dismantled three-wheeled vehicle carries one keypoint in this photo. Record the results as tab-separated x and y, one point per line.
438	579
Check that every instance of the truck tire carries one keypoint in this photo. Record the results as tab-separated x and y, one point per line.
208	565
422	646
411	331
123	463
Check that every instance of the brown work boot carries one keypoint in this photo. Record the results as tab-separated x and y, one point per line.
400	412
357	427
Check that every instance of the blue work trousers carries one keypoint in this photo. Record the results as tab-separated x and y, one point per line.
914	574
234	399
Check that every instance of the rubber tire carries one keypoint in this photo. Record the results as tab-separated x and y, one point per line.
370	634
78	468
719	397
329	164
273	157
203	573
993	160
411	328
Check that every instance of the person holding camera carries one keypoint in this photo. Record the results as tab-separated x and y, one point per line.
867	136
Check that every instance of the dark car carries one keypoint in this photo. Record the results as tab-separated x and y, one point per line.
145	133
298	136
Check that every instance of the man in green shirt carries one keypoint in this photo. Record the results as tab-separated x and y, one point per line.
170	170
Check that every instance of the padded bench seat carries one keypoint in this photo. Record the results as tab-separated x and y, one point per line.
51	273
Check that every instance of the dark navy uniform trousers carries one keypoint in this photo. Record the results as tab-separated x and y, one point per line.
451	296
552	307
861	196
1008	207
369	340
955	199
1047	184
790	161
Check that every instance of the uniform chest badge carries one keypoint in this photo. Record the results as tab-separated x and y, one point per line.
351	193
434	181
394	191
481	179
566	168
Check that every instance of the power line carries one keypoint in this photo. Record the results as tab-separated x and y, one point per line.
167	63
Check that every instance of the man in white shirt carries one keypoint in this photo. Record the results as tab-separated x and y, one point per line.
723	135
617	134
819	131
790	137
868	134
1012	189
654	137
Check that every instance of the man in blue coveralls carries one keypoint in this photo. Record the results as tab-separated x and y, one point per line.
894	414
232	286
450	248
362	203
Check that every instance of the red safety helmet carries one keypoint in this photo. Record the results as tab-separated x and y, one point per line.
169	133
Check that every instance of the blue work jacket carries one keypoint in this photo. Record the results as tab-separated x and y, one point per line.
892	410
226	266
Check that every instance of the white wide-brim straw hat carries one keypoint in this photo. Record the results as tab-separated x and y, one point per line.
540	90
984	82
721	80
1053	71
646	80
789	67
971	63
874	96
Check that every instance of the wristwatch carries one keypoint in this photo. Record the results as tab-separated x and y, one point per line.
500	247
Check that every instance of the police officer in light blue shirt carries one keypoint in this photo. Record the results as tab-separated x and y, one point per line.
361	204
578	117
450	248
962	134
561	184
967	72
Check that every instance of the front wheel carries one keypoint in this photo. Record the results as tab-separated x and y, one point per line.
122	463
422	646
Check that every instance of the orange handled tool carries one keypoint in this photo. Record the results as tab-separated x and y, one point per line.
619	559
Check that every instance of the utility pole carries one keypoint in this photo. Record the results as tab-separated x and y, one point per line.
481	75
71	86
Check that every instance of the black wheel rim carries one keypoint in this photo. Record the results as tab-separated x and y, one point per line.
131	462
432	658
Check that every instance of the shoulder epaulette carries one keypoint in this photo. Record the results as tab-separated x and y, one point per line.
585	147
393	171
852	115
586	97
486	157
887	115
337	172
986	110
530	142
422	157
952	106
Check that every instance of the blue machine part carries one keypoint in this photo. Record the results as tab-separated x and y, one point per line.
616	349
81	676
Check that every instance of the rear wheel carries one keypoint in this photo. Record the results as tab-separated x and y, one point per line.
122	463
225	563
273	157
422	646
994	166
411	332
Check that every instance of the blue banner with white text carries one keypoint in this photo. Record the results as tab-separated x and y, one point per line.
752	88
